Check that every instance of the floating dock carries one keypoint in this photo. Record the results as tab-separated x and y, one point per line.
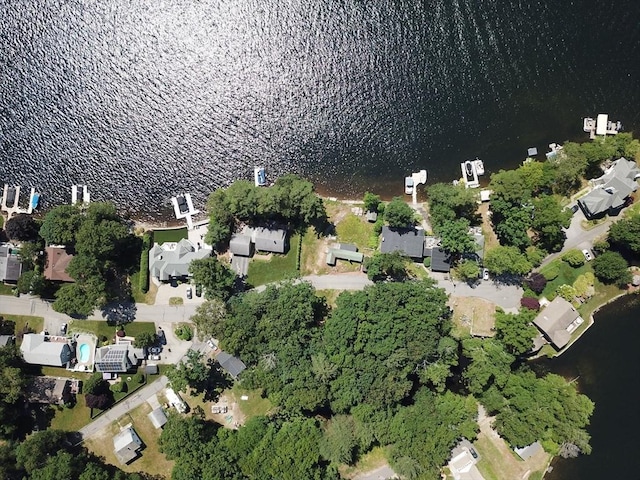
471	170
411	184
80	191
183	208
600	126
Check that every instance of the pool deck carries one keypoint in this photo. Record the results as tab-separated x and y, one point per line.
91	341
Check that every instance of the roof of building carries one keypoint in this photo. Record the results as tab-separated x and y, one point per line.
41	349
172	259
126	445
529	450
556	320
58	259
158	417
117	358
334	254
50	390
232	365
440	260
371	216
479	239
10	264
151	369
409	241
269	239
612	188
240	245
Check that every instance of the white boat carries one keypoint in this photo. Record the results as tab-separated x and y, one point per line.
479	165
259	176
588	124
408	185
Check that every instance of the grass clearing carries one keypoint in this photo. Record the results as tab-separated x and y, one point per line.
149	298
567	275
101	328
72	419
176	301
374	459
256	405
6	289
472	315
150	461
330	295
277	267
170	235
21	321
354	229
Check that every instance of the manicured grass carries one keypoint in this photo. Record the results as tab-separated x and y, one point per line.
100	328
6	289
171	235
72	419
256	405
354	229
63	372
35	323
149	298
603	294
567	275
279	267
176	301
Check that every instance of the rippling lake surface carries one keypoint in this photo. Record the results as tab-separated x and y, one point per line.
142	100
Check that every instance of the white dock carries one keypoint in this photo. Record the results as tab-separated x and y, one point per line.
600	126
77	190
471	170
183	208
419	178
11	206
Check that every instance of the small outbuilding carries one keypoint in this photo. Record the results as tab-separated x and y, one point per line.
241	245
158	418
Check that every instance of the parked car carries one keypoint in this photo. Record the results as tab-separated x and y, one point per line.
485	274
473	453
212	344
189	293
154	357
162	337
587	255
574	208
63	329
198	290
155	350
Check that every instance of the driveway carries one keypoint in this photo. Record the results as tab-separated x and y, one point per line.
166	291
380	473
506	296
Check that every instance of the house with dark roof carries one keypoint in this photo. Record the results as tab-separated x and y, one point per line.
7	340
10	264
172	259
127	445
272	240
118	358
49	390
58	259
558	321
440	260
230	364
408	241
49	350
611	189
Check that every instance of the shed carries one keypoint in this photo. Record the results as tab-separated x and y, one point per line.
334	254
126	445
440	260
158	418
232	365
371	216
151	369
241	245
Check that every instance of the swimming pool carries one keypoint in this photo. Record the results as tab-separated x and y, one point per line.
85	353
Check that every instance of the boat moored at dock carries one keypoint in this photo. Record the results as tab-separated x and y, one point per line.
408	185
259	176
601	126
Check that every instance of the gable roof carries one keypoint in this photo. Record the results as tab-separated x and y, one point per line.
58	260
172	259
232	365
50	390
40	349
440	260
557	321
612	188
269	239
117	358
240	245
409	241
158	418
126	445
10	264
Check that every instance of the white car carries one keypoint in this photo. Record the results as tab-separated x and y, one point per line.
587	255
485	274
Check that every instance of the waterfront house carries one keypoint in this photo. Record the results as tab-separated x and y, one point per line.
10	264
171	260
49	350
241	245
558	321
127	445
272	240
611	189
118	358
58	259
408	241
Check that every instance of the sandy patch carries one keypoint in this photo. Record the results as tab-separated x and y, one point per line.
473	315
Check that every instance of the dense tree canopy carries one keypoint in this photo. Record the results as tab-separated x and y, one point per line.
611	267
549	218
455	237
60	225
22	227
507	260
387	266
371	202
448	202
625	234
209	317
515	331
398	214
216	278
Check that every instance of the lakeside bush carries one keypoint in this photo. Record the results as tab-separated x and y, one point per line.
144	263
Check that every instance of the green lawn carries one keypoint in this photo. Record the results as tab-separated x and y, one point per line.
71	419
256	405
356	230
567	275
279	267
171	235
100	328
35	323
6	289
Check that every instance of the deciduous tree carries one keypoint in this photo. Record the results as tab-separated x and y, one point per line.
506	260
398	214
216	278
611	267
22	227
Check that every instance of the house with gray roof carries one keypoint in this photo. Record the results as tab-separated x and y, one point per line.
10	264
172	259
118	358
241	245
49	350
49	390
127	445
408	241
230	364
611	189
272	240
7	340
158	418
558	321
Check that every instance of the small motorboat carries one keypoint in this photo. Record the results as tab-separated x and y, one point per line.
408	185
468	167
260	176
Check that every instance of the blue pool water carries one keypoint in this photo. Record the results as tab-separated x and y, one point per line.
85	353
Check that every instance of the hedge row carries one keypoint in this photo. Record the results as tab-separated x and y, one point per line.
144	263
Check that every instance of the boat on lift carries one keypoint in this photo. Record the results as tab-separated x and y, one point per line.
408	185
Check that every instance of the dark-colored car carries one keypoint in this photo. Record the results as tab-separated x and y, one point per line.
198	290
162	337
574	208
473	453
155	350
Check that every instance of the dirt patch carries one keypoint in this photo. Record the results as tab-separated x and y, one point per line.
230	415
490	238
473	315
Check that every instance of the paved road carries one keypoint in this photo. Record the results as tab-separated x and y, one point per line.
380	473
506	296
132	401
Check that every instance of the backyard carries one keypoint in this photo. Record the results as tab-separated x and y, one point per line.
169	235
102	329
566	275
275	267
34	323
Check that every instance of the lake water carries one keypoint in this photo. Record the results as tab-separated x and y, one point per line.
142	100
606	361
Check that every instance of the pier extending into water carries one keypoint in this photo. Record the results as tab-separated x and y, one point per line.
11	198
